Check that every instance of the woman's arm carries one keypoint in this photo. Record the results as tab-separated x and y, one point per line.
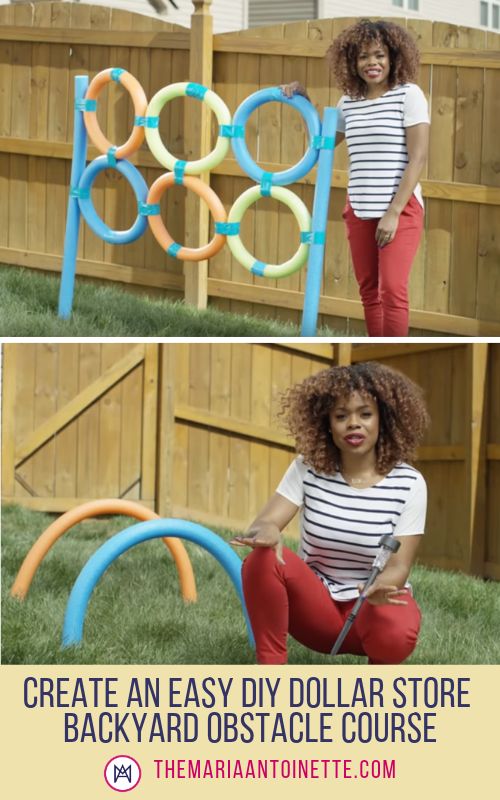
289	89
389	585
417	143
265	530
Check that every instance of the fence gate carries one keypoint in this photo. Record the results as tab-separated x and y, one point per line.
79	423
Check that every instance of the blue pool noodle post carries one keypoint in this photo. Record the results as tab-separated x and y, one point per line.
121	542
73	218
319	221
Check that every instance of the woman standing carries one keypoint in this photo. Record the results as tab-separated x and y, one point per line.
385	121
355	429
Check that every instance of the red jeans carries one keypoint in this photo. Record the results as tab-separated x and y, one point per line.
382	272
290	598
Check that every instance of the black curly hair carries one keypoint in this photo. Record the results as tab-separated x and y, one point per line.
342	55
305	410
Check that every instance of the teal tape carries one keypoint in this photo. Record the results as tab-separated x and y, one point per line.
266	183
173	249
111	155
81	194
196	90
115	74
232	131
86	105
323	142
148	209
308	237
150	122
227	228
258	268
179	168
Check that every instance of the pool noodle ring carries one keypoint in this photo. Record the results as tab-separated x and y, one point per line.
160	232
92	218
139	100
118	544
239	251
213	101
240	150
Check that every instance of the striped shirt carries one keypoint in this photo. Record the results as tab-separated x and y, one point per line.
340	526
376	140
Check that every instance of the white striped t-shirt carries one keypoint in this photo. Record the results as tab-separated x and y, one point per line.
340	526
376	140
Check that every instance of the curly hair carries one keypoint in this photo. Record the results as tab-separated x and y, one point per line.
342	55
305	410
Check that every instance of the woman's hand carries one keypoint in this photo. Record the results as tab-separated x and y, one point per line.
387	227
289	89
380	594
262	536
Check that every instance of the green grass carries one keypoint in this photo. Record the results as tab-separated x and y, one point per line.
29	302
136	614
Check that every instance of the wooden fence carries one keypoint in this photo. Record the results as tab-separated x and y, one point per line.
454	286
191	430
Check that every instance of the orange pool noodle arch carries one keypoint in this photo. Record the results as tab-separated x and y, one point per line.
97	508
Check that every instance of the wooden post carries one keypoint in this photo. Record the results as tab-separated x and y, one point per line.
475	449
166	431
197	129
342	354
149	423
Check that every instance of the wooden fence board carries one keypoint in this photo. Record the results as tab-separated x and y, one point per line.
88	425
23	414
110	419
147	429
45	405
9	387
21	76
65	444
198	447
464	249
220	403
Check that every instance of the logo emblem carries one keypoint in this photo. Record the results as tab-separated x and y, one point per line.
122	773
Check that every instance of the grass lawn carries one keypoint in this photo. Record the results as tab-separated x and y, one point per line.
136	614
29	302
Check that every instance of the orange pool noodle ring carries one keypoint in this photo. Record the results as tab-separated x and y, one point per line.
160	232
97	508
139	100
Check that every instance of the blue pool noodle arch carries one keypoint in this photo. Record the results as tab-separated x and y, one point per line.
121	542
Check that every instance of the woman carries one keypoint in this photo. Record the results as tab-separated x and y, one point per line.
355	428
385	121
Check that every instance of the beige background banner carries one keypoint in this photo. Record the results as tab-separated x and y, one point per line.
464	759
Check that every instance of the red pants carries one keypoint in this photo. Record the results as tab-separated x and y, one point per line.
290	598
382	272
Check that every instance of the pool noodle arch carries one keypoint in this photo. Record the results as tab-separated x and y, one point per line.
121	542
95	508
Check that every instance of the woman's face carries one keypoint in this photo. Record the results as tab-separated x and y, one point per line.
373	66
355	424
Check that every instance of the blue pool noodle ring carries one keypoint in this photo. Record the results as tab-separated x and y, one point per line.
121	542
93	219
240	149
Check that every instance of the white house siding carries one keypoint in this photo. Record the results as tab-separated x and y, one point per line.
229	15
263	12
458	12
232	15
